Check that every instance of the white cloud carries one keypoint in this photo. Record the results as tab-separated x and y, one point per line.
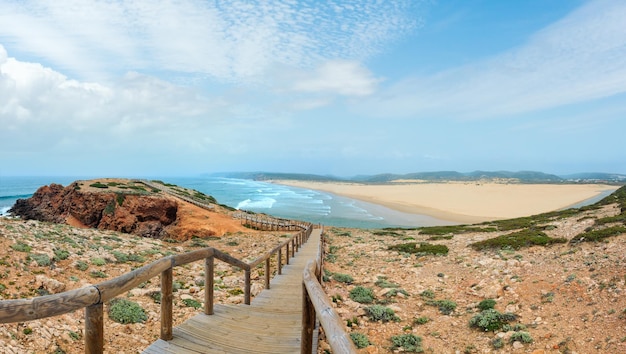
342	77
578	59
235	41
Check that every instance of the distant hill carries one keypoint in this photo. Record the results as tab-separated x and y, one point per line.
436	176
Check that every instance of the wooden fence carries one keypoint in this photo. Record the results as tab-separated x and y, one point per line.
317	306
93	297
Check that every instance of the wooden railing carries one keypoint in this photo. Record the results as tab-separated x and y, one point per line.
316	305
268	223
93	297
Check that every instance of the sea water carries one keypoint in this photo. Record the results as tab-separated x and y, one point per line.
260	197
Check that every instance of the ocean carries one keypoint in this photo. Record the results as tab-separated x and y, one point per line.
260	197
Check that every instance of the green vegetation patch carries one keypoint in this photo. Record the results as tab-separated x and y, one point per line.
362	295
446	307
517	240
126	311
360	340
451	229
598	235
43	260
192	303
491	320
381	313
21	247
99	185
343	278
408	343
423	249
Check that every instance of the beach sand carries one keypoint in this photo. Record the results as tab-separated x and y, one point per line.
464	202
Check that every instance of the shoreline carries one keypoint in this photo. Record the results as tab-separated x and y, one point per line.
463	202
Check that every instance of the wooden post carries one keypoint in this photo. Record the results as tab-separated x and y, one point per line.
267	273
167	279
280	260
287	254
208	285
247	286
308	322
94	329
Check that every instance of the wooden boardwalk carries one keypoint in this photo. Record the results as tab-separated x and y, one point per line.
272	323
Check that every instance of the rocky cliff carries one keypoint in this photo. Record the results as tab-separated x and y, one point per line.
143	215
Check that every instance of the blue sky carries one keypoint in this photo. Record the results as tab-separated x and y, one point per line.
162	88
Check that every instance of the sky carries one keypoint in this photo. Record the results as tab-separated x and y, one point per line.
182	88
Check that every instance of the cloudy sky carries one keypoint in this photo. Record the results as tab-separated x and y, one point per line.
175	88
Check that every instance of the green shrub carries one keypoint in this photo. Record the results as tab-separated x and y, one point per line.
384	283
491	320
381	313
61	254
126	311
21	247
360	340
597	235
487	304
497	343
99	185
362	295
120	197
98	261
343	278
192	303
42	260
423	249
82	265
428	294
421	320
408	343
98	274
523	337
446	307
517	240
395	291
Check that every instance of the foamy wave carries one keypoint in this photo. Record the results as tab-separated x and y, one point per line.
264	203
4	211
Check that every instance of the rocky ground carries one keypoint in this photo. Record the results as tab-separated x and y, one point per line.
566	298
43	258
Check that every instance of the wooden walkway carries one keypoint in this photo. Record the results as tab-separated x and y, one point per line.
272	323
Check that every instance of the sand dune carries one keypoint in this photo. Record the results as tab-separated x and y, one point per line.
464	202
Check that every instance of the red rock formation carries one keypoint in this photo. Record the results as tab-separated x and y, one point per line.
142	215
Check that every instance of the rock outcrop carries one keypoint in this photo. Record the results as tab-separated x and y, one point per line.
143	215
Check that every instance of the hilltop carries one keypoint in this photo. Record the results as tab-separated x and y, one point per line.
438	176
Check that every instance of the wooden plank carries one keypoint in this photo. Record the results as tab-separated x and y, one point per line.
94	329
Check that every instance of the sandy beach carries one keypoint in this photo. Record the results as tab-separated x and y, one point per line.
464	202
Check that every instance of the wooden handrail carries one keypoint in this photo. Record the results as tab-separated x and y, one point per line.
93	297
315	304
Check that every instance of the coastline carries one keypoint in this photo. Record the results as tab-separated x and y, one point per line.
463	202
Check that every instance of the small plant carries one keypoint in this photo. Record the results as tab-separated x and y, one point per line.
126	311
384	283
43	260
487	304
343	278
428	294
98	261
381	313
395	292
156	296
446	307
99	185
362	295
192	303
27	330
523	337
98	274
61	254
21	247
408	343
497	343
74	335
82	265
360	340
421	320
491	320
424	248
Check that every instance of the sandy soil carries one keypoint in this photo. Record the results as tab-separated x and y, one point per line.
464	202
